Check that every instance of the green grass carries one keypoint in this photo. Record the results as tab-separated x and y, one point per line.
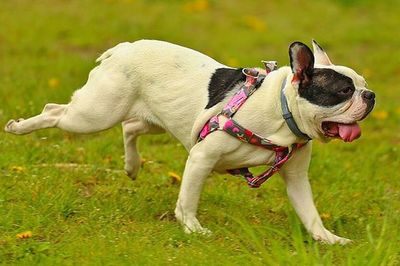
69	190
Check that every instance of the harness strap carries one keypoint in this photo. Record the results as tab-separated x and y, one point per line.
253	80
234	129
281	157
230	126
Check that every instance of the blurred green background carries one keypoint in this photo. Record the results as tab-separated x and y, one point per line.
69	192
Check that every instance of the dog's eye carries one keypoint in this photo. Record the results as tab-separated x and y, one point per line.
346	91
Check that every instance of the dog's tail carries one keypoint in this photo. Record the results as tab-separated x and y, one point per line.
110	51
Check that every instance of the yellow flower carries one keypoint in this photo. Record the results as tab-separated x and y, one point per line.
325	216
53	83
107	159
18	169
175	177
196	6
24	235
380	115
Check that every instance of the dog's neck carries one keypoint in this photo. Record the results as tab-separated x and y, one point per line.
292	98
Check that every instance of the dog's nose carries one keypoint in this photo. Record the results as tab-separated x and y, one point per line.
368	95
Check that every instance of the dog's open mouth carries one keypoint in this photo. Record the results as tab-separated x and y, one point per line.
346	132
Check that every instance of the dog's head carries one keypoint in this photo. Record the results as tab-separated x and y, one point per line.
331	99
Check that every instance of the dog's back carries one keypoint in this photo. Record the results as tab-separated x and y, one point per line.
166	81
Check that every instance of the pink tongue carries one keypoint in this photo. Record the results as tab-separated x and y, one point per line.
349	132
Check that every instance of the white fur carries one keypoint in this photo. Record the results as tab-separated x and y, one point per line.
154	86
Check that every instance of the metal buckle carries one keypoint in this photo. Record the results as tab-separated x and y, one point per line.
250	72
270	65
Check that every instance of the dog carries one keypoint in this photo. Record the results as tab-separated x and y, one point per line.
153	86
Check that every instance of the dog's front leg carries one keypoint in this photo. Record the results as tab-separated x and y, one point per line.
198	166
300	195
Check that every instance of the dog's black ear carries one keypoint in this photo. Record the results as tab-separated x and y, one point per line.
302	63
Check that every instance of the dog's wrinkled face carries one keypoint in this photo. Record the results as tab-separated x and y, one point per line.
331	99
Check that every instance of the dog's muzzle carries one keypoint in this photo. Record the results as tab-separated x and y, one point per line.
369	98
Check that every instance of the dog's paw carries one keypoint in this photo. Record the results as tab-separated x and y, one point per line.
195	227
327	237
192	225
12	126
131	174
132	166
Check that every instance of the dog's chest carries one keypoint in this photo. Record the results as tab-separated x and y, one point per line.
245	155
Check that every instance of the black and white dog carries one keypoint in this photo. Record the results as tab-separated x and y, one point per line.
154	86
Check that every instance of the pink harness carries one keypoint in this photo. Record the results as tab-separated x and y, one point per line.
282	154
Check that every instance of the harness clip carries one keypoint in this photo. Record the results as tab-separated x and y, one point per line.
270	65
250	72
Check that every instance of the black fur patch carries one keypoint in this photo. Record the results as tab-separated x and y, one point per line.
221	83
327	88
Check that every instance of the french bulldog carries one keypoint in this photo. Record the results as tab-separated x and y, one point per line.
153	86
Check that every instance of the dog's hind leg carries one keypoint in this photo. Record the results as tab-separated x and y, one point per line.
48	118
132	128
64	117
101	103
69	117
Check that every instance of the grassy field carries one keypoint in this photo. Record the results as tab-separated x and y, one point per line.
70	191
